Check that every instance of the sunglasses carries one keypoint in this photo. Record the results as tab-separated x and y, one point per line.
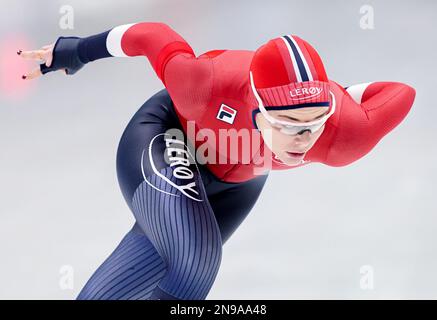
292	128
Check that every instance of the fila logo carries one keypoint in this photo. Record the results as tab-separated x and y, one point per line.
226	114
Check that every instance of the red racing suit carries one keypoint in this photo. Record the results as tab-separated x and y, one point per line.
199	86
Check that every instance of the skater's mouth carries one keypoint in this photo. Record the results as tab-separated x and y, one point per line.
295	155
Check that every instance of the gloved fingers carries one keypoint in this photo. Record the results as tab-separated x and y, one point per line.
33	54
62	55
35	73
44	54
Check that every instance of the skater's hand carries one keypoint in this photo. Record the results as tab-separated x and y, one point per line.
43	55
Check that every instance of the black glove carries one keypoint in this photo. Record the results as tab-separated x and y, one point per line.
65	56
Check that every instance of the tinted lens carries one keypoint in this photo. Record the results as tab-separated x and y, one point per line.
292	130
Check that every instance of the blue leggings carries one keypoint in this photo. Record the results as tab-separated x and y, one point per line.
183	214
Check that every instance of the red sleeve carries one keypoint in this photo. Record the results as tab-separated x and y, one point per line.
188	78
359	127
155	40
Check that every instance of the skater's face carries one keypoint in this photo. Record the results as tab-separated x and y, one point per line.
291	149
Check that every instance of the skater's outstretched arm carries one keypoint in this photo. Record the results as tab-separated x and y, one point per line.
369	111
188	78
154	40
